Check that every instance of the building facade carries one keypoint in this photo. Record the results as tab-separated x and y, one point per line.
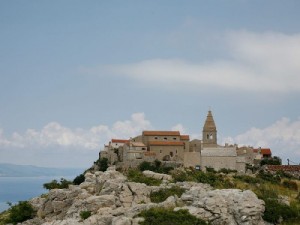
171	146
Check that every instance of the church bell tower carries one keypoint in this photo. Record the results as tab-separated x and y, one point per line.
209	133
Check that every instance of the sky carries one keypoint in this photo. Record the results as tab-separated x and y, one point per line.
74	74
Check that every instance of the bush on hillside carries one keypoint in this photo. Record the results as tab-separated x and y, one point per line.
54	184
163	194
102	163
226	171
21	212
162	216
85	214
283	174
210	170
292	185
271	161
155	166
79	179
266	176
274	210
248	179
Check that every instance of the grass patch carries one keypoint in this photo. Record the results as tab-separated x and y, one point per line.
138	177
248	179
162	216
163	194
214	179
85	214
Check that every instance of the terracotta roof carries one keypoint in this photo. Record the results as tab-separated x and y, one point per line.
166	143
138	144
185	137
266	151
255	150
161	133
119	141
283	167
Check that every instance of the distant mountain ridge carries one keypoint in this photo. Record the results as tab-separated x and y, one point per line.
12	170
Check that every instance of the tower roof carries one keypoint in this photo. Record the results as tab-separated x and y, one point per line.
209	123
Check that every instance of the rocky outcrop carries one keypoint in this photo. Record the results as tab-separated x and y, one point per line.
113	200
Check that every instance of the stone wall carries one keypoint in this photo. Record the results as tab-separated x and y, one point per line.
191	159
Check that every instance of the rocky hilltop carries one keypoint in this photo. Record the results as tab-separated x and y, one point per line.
113	200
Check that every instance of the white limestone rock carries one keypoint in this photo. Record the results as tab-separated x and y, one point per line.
121	220
158	176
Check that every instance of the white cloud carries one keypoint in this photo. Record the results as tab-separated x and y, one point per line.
283	137
256	62
54	134
58	146
179	127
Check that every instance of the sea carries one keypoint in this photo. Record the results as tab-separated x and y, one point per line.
15	189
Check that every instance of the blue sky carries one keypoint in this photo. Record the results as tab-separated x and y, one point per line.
74	74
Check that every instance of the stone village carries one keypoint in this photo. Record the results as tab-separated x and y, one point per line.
177	149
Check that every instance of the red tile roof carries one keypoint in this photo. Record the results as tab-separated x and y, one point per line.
119	141
185	137
266	151
161	133
283	167
166	143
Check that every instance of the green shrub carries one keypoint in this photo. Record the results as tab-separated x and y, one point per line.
274	210
155	166
290	185
85	214
266	176
103	164
79	179
146	166
283	174
163	194
271	161
180	176
208	178
162	216
248	179
54	184
138	177
210	170
226	171
21	212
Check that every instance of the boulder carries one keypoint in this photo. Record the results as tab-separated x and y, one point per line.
158	176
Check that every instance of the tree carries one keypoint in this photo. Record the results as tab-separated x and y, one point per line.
79	179
21	212
271	161
103	164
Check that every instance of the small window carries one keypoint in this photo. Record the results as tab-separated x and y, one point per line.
143	148
165	138
160	151
174	138
171	154
155	138
176	151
